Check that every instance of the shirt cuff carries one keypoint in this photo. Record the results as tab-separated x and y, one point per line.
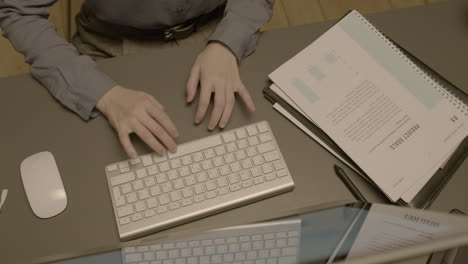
240	37
84	84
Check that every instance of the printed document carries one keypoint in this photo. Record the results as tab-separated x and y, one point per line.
388	116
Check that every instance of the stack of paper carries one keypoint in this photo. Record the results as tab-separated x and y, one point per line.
371	106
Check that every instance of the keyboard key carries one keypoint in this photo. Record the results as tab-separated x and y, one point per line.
293	242
247	184
209	153
149	181
124	169
267	168
186	160
186	202
265	137
152	202
166	187
241	133
242	144
126	188
224	170
206	164
176	196
188	192
174	206
134	257
190	180
282	173
195	168
131	197
278	165
229	158
252	130
138	185
123	164
240	155
112	168
184	171
123	178
163	199
257	171
258	160
143	194
176	163
140	206
172	175
158	158
235	187
149	256
252	151
221	182
155	190
223	191
231	147
293	234
247	164
147	160
270	176
229	137
265	147
199	189
210	185
137	217
262	127
141	173
124	220
271	156
164	166
125	210
220	150
253	140
197	145
259	180
235	167
201	177
198	198
120	201
233	178
162	209
162	177
178	184
197	157
213	174
218	161
211	194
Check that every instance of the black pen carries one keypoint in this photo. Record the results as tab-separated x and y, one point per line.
349	184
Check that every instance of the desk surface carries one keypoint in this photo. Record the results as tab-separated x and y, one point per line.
33	121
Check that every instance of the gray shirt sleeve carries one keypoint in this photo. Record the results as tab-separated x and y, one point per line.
72	79
239	28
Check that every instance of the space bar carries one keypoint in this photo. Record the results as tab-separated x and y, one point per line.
197	145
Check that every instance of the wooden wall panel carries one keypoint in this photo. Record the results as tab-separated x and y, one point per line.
301	12
279	19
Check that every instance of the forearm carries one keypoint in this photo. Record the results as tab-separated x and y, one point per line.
239	29
74	80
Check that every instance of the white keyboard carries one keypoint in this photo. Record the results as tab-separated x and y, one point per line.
268	243
203	177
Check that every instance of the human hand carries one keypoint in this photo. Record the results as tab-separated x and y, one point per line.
217	72
130	111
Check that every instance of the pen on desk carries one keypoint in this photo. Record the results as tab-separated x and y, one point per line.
3	198
349	184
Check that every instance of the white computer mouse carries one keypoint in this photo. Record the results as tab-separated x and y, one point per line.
43	185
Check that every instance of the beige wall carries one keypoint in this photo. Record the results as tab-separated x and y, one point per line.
286	13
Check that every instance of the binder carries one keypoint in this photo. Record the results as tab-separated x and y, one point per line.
435	185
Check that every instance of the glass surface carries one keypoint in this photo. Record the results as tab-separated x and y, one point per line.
348	232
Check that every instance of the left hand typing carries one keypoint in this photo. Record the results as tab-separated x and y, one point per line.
216	70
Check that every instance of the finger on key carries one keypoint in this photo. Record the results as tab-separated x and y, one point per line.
203	101
165	121
158	131
149	139
219	102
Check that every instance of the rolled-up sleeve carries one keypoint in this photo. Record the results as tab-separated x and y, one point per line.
73	79
239	28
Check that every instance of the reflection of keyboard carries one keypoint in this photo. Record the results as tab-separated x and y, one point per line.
203	177
269	243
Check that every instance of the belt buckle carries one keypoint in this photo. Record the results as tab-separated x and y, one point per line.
179	32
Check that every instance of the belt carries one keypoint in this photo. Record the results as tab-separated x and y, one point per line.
176	32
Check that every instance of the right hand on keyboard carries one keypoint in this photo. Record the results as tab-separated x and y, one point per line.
130	111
